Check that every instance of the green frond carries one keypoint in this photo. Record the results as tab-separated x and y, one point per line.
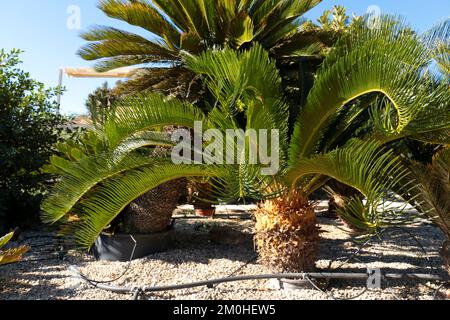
271	15
12	254
246	83
140	113
367	218
431	195
432	123
177	15
5	239
363	165
193	26
175	82
279	15
364	61
141	14
117	48
359	215
241	30
97	212
80	177
100	33
140	140
107	64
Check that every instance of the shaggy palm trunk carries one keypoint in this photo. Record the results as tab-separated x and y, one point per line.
336	200
287	237
334	204
152	212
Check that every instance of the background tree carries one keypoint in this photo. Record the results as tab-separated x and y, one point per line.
100	103
29	128
195	26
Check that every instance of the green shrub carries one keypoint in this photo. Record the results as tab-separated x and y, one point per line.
100	103
29	128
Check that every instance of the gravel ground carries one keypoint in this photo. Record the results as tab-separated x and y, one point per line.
220	247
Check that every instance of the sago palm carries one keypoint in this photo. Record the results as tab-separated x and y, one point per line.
173	26
100	177
432	196
373	81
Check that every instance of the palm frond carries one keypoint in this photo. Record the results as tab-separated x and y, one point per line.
363	165
364	61
141	14
152	51
99	210
242	80
432	195
437	40
279	15
12	254
78	178
136	114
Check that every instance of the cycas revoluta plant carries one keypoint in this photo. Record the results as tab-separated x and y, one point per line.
195	26
432	196
95	188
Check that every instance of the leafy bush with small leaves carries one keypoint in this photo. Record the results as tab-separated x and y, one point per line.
29	128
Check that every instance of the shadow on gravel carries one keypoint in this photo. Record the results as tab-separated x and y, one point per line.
202	241
398	250
30	281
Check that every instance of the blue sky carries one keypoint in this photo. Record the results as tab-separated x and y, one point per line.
40	29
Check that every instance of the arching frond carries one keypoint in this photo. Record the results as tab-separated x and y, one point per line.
139	113
432	194
363	165
385	60
99	210
141	14
80	177
245	82
193	26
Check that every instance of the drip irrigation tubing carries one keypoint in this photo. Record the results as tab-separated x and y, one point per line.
138	291
278	276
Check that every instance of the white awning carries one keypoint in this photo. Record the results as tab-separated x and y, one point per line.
91	73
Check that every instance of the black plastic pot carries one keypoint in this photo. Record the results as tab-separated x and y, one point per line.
119	247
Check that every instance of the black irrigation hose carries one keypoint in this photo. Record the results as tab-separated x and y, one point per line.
137	291
279	276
